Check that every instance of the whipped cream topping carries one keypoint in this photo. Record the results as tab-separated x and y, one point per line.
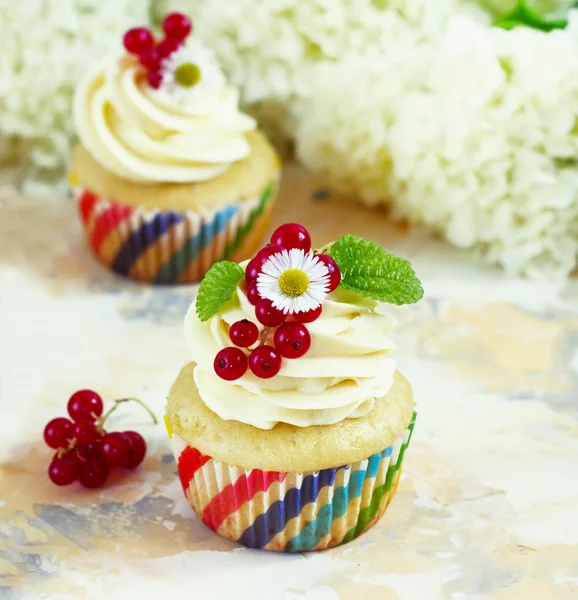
172	134
344	371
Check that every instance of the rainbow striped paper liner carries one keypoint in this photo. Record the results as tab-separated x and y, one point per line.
158	246
290	512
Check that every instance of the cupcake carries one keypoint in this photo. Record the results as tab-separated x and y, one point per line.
170	177
290	424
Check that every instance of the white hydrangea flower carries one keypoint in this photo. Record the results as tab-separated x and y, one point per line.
46	46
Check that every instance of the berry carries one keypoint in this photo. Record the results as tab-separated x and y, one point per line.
265	362
267	314
244	333
64	470
150	59
115	449
138	40
168	46
85	403
230	363
137	449
93	473
292	340
85	431
90	450
177	26
154	79
253	293
333	268
292	235
309	316
58	432
256	263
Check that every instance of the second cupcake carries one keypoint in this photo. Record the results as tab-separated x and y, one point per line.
170	177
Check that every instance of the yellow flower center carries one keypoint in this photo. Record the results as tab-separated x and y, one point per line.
293	282
187	74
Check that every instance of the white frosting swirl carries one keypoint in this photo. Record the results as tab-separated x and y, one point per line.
166	135
345	369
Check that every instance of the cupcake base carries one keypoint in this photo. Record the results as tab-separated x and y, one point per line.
290	512
162	246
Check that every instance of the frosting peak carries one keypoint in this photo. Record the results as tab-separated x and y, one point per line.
189	129
346	368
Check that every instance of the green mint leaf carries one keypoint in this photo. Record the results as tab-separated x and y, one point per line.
369	270
217	287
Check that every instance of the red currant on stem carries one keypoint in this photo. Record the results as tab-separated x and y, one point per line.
59	432
115	449
85	431
256	263
85	403
137	449
168	46
150	59
292	340
333	268
292	235
244	333
310	315
154	79
90	450
230	363
138	40
253	293
93	473
267	314
65	469
265	362
177	26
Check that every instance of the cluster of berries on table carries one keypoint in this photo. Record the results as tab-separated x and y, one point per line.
85	452
150	52
287	331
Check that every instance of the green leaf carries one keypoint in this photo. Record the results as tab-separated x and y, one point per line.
217	287
525	16
369	270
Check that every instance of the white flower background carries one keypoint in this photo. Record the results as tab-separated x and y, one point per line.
417	104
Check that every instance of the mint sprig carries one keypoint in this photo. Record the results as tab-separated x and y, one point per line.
369	270
217	287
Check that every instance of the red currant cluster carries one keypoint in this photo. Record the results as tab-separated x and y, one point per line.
291	338
141	42
85	451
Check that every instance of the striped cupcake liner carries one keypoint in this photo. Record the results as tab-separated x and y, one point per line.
290	512
158	246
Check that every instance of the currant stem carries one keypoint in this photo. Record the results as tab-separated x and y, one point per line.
325	249
109	412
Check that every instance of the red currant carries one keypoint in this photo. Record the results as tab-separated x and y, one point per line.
244	333
85	403
256	264
85	431
230	363
64	470
292	340
333	268
253	293
267	314
168	46
150	59
138	40
93	473
292	235
309	316
115	449
154	79
177	26
265	362
59	432
137	449
90	450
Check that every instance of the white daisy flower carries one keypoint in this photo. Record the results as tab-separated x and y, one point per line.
191	72
295	281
